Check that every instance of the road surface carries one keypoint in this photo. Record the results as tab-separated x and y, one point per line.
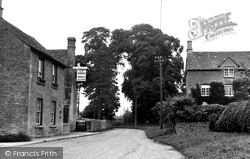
113	144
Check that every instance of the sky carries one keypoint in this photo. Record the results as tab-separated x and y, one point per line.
51	22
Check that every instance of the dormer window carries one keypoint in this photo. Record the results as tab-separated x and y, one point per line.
228	71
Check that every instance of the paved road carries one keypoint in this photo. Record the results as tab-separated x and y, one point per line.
114	144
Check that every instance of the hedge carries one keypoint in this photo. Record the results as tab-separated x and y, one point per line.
20	137
235	118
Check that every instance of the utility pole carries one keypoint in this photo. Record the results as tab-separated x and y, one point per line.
136	96
160	60
136	110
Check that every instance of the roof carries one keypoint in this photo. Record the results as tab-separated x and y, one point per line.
60	55
213	60
30	41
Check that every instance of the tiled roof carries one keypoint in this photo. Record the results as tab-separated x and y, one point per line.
213	60
30	41
60	55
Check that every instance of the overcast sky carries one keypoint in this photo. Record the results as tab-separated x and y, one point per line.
52	21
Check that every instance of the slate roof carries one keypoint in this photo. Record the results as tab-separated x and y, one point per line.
213	60
30	41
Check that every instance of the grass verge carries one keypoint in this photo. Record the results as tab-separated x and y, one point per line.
196	141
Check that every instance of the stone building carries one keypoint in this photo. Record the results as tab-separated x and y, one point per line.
206	67
37	94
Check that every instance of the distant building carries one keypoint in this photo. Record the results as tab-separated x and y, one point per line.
37	86
206	67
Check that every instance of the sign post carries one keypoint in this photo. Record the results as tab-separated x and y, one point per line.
80	77
81	73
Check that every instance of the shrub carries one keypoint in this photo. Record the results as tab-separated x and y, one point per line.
212	120
207	110
235	118
241	88
196	94
216	93
14	137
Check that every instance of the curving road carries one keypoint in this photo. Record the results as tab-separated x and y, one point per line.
114	144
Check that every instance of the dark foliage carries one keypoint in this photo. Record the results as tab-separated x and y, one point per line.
241	89
217	93
235	118
212	120
141	44
196	94
101	86
20	137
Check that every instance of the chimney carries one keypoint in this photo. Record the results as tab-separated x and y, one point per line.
71	51
189	47
1	9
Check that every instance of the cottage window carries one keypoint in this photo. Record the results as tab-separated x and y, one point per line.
229	90
228	71
53	112
205	90
41	68
54	74
39	111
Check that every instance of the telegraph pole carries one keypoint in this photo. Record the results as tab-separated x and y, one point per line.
160	60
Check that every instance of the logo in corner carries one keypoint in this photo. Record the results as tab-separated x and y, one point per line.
211	28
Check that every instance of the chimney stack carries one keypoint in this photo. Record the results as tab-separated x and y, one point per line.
189	47
71	51
1	9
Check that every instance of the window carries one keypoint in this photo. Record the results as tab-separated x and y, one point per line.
40	68
229	90
39	111
228	71
54	74
53	112
205	90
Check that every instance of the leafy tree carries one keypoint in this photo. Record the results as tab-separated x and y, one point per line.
101	87
141	44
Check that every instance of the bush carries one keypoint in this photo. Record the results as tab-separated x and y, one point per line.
195	113
241	89
196	94
216	93
212	120
184	108
207	110
235	118
14	137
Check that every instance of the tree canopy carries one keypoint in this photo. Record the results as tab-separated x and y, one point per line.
101	87
139	46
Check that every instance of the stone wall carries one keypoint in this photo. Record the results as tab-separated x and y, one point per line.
14	82
48	93
93	125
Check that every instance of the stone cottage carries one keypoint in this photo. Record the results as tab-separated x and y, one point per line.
206	67
38	93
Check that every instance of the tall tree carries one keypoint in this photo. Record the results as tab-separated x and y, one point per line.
101	88
141	44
